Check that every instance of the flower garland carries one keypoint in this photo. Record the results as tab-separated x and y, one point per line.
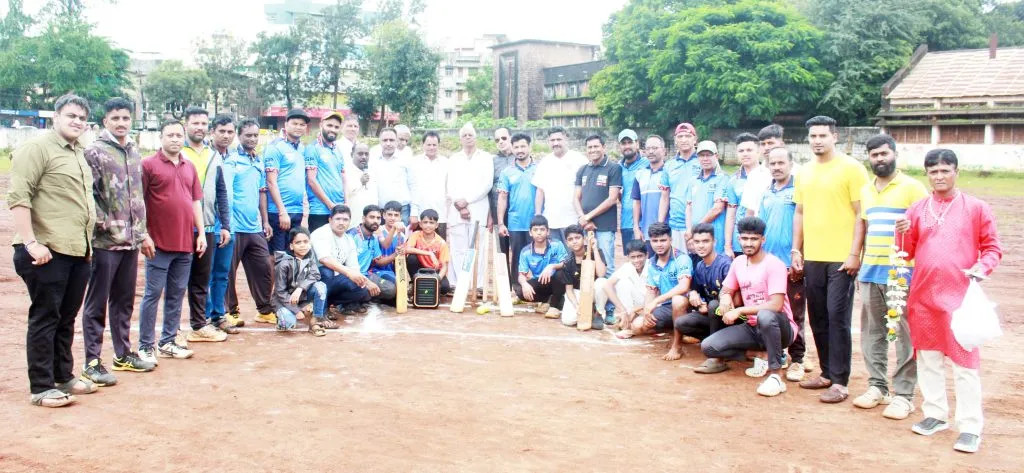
896	295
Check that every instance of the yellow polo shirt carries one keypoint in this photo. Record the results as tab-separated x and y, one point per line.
827	192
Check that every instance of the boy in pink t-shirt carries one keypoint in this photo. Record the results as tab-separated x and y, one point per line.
761	280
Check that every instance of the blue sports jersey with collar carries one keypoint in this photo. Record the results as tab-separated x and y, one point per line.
329	163
666	277
629	172
518	183
777	210
288	160
704	193
534	263
678	178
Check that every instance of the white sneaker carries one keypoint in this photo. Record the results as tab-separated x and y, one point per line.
795	372
172	350
207	334
771	387
148	355
872	398
759	369
900	408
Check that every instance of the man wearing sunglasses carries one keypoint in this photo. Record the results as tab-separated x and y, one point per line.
502	160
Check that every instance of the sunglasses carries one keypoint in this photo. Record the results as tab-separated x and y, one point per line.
503	138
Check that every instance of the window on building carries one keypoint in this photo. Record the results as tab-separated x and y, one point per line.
912	134
448	70
448	93
572	91
962	134
1008	134
461	96
549	92
462	72
447	114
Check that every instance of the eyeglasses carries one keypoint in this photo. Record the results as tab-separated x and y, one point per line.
501	138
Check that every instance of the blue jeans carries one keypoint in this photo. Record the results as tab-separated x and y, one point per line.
606	244
341	291
279	241
166	271
317	294
219	280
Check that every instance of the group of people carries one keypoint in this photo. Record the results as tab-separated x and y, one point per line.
727	260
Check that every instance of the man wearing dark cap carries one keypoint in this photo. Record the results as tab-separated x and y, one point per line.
325	171
286	179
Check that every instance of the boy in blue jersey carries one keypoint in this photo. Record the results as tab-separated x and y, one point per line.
391	238
286	178
776	210
650	197
325	171
538	263
632	162
668	281
516	198
370	256
707	199
706	285
680	173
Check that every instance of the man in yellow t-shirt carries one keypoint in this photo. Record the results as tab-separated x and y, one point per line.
828	235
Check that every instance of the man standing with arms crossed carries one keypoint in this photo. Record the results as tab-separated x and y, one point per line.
883	201
554	180
598	185
829	235
325	172
286	182
120	232
54	217
249	219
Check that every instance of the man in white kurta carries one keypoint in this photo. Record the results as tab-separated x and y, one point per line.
470	173
363	188
429	173
555	180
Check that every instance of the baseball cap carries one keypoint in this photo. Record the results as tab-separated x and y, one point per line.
297	113
687	127
334	114
627	133
707	145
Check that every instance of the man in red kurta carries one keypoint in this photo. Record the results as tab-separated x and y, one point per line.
946	235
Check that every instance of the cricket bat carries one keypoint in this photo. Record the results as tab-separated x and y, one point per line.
464	277
401	285
503	292
585	310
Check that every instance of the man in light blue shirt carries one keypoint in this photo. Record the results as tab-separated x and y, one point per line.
707	200
286	178
650	197
631	163
516	199
680	172
325	171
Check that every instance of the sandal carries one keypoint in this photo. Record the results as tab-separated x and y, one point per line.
317	329
52	398
327	324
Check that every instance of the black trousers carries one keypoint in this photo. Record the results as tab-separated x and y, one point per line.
698	325
315	221
830	307
517	241
253	252
111	294
553	292
798	303
56	290
199	283
412	265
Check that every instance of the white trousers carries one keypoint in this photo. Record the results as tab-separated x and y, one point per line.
931	377
630	290
460	237
569	313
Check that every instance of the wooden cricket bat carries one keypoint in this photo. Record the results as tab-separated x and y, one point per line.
463	282
488	249
479	246
502	291
401	285
585	310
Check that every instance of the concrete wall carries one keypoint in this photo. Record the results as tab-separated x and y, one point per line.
533	58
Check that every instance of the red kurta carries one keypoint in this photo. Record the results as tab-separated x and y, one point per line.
941	251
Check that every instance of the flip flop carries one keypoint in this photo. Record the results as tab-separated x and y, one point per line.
52	398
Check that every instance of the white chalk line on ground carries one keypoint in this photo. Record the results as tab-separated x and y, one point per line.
451	333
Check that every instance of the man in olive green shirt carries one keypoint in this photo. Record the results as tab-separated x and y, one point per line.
50	197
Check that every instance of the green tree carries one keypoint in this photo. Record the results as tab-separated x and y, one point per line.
223	57
334	50
404	69
717	64
64	58
14	24
176	87
480	87
362	100
1006	20
282	67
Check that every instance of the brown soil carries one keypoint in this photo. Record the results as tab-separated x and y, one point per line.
435	391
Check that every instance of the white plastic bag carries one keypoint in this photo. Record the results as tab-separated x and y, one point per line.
975	322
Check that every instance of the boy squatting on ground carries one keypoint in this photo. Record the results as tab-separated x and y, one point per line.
425	249
298	292
538	263
570	273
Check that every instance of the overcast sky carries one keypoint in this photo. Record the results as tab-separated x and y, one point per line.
168	28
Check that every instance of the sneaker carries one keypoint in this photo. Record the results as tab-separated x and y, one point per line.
795	372
173	350
929	426
206	334
148	355
552	313
899	409
711	366
225	325
235	318
610	320
95	372
872	398
181	339
771	387
597	323
759	369
266	318
75	386
967	443
541	308
133	362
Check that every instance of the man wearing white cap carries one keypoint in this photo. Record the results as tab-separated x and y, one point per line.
707	200
470	173
632	161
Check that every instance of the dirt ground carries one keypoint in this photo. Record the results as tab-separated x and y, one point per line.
436	391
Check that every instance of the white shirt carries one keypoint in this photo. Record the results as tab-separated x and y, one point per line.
469	177
342	248
392	176
758	181
361	195
429	177
557	178
375	152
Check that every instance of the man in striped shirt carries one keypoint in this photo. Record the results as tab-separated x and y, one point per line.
884	200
